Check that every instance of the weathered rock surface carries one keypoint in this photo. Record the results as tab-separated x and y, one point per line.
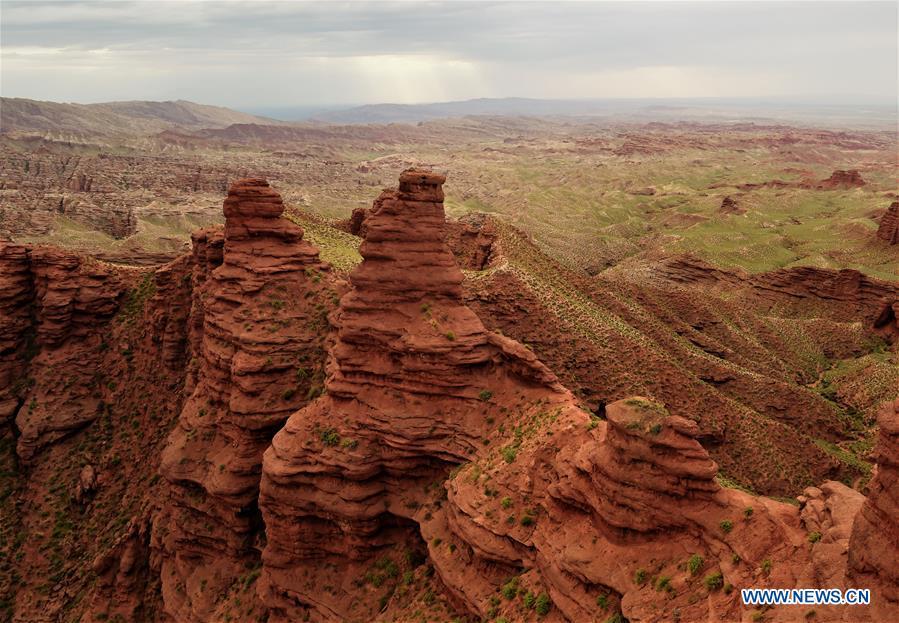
16	294
548	496
424	436
57	304
257	327
729	205
874	548
841	294
889	224
639	490
415	384
474	241
96	398
842	179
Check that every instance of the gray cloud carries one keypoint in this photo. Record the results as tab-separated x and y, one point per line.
284	53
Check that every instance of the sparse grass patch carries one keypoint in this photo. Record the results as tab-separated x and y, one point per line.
695	564
329	437
714	581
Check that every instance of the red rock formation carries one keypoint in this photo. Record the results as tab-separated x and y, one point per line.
605	516
16	294
549	495
853	294
889	224
874	547
356	223
80	183
434	435
842	179
474	241
768	184
887	322
257	329
72	299
729	205
847	294
122	580
416	384
98	400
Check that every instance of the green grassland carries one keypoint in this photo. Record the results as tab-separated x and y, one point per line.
582	209
590	195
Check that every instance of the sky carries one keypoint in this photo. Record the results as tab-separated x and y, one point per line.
246	54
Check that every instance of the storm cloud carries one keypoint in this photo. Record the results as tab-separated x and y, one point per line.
251	54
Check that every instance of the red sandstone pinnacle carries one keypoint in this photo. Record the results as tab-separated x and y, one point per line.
258	241
252	197
404	250
416	384
256	332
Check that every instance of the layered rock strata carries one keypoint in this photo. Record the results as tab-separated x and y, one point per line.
850	178
839	294
627	515
874	548
16	294
582	515
888	229
416	384
57	304
257	327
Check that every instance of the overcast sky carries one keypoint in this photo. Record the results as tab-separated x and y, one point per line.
252	54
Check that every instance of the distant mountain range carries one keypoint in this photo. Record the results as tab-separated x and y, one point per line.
115	118
640	110
62	121
514	106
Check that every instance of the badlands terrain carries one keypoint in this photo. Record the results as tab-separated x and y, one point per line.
561	369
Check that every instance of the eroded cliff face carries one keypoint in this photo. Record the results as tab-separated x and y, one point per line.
626	515
56	303
16	294
95	363
258	326
416	385
89	385
837	294
888	229
874	548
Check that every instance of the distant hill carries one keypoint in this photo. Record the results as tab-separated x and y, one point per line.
411	113
114	118
636	110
